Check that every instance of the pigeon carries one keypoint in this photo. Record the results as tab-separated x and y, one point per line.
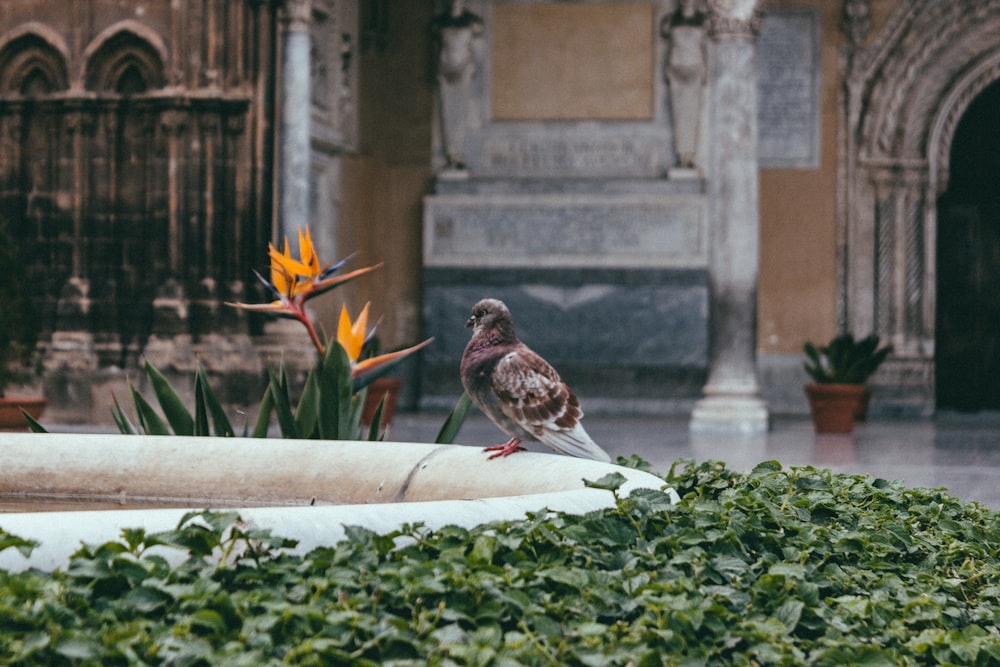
518	390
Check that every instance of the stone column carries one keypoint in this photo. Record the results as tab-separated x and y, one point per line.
296	106
732	395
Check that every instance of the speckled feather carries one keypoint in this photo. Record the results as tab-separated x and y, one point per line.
517	389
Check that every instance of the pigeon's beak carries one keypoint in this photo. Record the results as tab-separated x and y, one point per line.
471	322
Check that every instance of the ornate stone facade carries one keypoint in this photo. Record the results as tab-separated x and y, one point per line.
902	97
137	170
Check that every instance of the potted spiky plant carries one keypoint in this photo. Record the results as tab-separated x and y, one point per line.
839	371
18	335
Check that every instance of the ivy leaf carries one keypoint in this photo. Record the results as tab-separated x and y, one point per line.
8	541
208	622
610	482
77	648
146	600
789	613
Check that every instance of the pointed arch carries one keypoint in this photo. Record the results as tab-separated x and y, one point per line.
33	56
126	49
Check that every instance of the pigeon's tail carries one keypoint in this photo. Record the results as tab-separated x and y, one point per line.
574	442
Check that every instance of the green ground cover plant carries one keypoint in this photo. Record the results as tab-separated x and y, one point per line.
777	566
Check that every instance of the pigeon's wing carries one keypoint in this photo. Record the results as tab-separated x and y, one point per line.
532	394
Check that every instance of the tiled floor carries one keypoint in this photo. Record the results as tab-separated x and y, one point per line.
958	452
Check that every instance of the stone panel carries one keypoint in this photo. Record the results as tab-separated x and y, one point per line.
571	152
550	230
788	88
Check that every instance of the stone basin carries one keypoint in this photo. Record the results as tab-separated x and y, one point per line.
302	489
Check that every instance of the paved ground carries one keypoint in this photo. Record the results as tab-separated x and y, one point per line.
958	452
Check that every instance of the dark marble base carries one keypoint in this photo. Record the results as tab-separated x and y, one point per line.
616	336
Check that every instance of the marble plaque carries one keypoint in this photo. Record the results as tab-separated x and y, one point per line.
788	89
573	61
630	231
579	155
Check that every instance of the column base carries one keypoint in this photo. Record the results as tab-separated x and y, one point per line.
730	414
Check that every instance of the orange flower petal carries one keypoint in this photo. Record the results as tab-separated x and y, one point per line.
367	370
346	337
293	266
307	253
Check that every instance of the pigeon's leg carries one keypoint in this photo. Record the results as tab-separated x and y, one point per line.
506	449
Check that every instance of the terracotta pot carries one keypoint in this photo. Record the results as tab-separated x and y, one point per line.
834	406
387	387
11	418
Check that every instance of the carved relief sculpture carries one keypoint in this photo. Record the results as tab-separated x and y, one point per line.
456	33
857	21
685	69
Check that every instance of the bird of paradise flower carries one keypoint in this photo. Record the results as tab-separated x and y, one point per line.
329	403
296	280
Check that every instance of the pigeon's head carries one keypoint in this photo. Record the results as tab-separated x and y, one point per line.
489	314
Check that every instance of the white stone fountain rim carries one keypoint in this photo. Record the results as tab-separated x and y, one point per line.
287	486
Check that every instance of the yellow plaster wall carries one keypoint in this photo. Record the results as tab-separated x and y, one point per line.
573	61
798	214
797	289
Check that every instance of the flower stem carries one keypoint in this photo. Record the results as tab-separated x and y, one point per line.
313	334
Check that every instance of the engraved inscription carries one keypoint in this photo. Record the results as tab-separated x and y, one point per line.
661	233
568	156
788	90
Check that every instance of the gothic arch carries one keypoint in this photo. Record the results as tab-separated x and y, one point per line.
32	52
125	50
956	102
903	97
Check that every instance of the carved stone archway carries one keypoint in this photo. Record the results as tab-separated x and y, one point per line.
903	95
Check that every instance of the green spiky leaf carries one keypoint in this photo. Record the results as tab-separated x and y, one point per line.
173	407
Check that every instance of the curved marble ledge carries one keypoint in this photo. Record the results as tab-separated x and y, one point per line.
305	490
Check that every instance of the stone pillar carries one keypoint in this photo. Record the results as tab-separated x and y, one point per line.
296	107
732	395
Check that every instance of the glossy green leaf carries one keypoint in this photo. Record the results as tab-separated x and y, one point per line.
205	396
33	424
283	403
149	421
375	427
123	423
453	424
336	391
173	407
307	411
263	423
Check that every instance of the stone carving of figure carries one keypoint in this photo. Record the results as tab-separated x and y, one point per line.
685	70
857	21
456	33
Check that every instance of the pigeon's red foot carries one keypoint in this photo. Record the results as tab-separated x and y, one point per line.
506	449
